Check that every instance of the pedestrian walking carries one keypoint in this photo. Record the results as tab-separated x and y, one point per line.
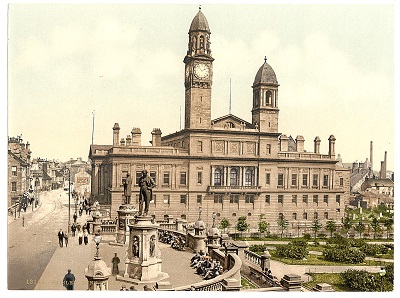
66	239
75	217
115	261
80	237
61	238
85	236
88	227
73	229
69	280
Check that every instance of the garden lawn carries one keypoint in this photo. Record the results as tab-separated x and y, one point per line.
334	279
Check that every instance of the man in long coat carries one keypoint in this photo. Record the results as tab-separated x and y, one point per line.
61	238
127	189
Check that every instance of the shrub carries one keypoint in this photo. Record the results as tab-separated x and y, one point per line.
307	236
357	242
258	248
374	249
344	254
322	235
297	249
339	240
360	280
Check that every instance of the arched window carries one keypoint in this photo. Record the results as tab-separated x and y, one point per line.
217	177
268	98
248	181
256	99
201	42
315	215
234	177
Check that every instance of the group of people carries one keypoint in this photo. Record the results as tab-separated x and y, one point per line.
176	242
206	266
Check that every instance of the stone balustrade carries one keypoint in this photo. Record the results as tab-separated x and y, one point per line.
252	257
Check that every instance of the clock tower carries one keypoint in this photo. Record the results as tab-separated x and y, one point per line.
198	75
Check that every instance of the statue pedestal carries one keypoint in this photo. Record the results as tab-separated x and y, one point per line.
143	255
126	213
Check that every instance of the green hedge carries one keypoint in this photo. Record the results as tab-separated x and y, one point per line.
374	249
361	280
344	254
296	249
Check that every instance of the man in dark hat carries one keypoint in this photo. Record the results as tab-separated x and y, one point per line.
69	280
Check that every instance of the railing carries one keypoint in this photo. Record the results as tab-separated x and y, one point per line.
108	229
233	187
297	155
149	150
252	257
167	226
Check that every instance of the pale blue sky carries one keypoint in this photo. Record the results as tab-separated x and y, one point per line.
334	64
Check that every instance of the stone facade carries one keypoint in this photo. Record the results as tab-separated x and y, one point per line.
227	165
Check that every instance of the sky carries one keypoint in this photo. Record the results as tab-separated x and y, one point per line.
124	63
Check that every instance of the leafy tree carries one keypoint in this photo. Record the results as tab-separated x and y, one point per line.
315	227
330	226
346	223
282	224
224	224
388	223
263	225
375	226
242	225
360	228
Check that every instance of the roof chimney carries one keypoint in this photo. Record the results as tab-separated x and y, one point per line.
136	136
284	143
317	143
300	143
156	137
116	134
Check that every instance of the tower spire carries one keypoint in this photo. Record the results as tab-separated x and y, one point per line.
230	96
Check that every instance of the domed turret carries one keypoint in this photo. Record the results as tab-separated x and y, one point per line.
265	75
199	22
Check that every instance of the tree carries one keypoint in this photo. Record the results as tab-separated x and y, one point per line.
375	225
360	228
388	223
224	224
282	224
315	227
346	223
241	224
263	225
330	226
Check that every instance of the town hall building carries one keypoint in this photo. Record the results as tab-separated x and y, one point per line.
226	166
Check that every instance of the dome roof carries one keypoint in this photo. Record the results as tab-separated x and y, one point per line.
213	231
265	74
199	22
97	268
199	224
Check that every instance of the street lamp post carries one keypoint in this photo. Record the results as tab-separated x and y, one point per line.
382	273
69	199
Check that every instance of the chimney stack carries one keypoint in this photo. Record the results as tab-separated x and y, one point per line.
156	137
136	136
371	153
116	134
300	143
122	142
332	140
284	143
128	140
384	165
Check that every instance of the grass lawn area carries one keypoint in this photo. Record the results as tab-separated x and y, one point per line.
246	284
333	279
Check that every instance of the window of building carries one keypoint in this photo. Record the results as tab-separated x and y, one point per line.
13	186
183	178
280	180
315	180
199	177
166	199
341	182
294	199
153	175
338	199
248	180
280	199
326	180
268	149
14	171
294	179
267	199
281	216
199	146
268	179
315	215
166	178
217	177
249	199
234	199
234	177
294	216
305	199
268	98
326	215
305	216
305	180
218	198
183	216
199	199
315	199
138	175
183	199
326	199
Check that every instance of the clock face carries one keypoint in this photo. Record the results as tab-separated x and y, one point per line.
201	71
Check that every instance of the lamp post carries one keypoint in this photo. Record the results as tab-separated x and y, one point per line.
69	199
382	273
200	210
97	240
213	217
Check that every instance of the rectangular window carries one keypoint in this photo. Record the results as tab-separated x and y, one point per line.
326	215
294	179
294	199
183	178
249	199
280	180
218	198
199	146
14	171
294	216
305	215
326	180
166	178
138	175
305	199
341	182
315	180
326	199
153	175
166	199
268	179
199	177
267	199
199	199
338	199
183	199
315	199
234	199
305	180
280	199
315	215
13	186
268	149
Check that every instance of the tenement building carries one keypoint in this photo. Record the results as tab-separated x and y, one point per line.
227	166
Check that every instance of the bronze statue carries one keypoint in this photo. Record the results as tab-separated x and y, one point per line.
146	184
127	189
